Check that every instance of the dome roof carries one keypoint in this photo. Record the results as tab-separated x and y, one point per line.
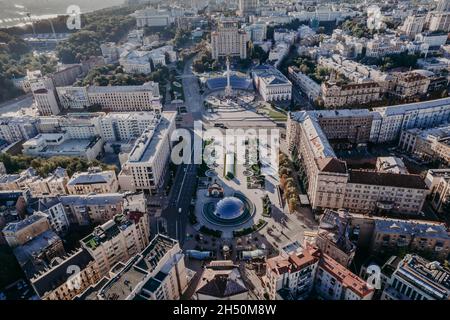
229	208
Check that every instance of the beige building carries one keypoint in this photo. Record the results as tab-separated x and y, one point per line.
438	181
157	273
118	240
53	185
221	280
410	84
340	95
19	233
328	181
228	40
382	192
413	25
127	98
93	181
99	208
68	276
428	144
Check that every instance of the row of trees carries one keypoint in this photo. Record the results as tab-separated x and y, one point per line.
15	164
287	182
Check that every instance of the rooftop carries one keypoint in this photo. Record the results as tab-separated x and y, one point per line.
151	139
411	181
348	279
82	178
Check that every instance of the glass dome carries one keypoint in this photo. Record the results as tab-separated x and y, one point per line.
229	208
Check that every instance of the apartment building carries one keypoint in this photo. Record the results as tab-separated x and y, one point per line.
228	40
414	236
46	102
92	208
381	46
330	183
13	129
413	25
292	277
271	84
372	191
335	282
93	181
118	126
53	210
416	278
112	98
248	7
53	185
410	84
389	121
336	95
118	240
297	275
438	21
333	238
148	160
428	144
56	283
438	181
157	273
256	32
352	126
33	242
308	86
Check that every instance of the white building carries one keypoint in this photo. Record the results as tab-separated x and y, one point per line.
308	86
46	102
418	279
114	98
151	17
148	160
389	121
59	144
120	126
136	62
271	83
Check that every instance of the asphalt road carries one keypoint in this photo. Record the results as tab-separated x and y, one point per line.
175	215
16	104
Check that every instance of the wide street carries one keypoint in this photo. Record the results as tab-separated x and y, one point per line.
16	104
175	215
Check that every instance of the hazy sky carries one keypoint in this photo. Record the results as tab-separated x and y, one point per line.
18	8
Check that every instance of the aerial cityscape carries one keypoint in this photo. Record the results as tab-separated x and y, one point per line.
257	150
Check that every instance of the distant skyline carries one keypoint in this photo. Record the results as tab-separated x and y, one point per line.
17	9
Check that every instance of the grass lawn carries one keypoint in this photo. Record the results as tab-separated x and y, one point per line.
275	115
